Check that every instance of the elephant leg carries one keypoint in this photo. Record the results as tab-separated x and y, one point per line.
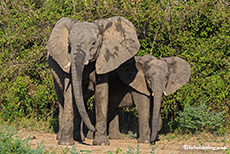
90	135
114	132
58	78
66	137
60	99
60	117
142	103
101	109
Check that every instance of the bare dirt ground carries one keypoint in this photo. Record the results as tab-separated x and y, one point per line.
168	144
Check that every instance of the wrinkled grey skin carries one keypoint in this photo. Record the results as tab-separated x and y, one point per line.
76	46
136	83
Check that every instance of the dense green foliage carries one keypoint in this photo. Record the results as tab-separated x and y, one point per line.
197	31
200	118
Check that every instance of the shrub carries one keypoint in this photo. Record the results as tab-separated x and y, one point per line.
10	143
199	118
23	98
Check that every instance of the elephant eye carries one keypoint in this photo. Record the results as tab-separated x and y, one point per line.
167	77
166	80
149	78
93	43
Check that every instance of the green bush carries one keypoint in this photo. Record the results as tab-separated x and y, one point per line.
197	31
200	118
10	143
23	98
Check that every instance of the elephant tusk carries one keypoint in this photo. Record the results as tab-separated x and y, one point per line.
152	94
68	65
87	62
165	93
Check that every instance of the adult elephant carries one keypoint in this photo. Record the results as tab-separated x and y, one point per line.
102	46
139	81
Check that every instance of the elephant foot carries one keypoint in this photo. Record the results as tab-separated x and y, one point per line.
101	140
153	137
143	140
66	142
90	135
58	135
116	136
66	137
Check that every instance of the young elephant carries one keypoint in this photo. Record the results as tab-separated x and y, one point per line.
135	82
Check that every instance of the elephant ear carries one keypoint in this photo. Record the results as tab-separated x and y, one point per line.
120	43
57	45
179	74
131	74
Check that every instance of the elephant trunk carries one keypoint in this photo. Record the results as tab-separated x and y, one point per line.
156	110
78	60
